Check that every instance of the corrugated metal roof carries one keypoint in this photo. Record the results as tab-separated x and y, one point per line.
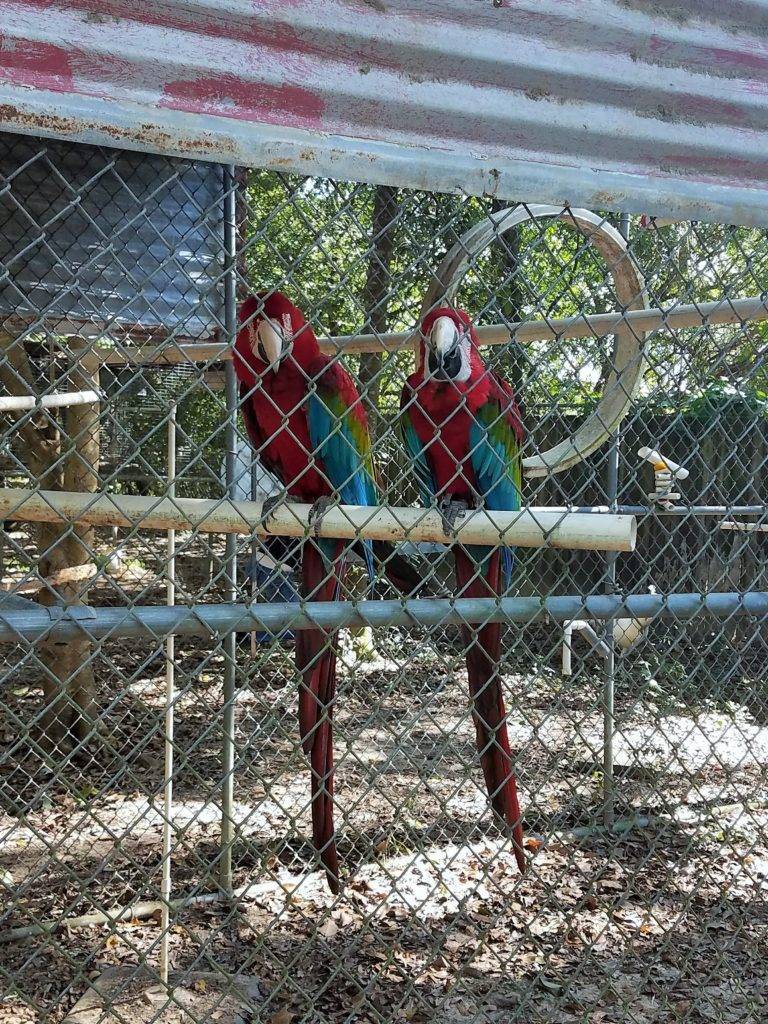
633	104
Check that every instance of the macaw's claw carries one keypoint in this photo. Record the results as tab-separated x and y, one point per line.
268	507
450	509
318	512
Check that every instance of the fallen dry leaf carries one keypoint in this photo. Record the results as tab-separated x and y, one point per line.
282	1017
329	929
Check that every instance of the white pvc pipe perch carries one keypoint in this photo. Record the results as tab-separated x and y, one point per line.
170	698
662	464
744	527
582	626
529	527
20	403
567	669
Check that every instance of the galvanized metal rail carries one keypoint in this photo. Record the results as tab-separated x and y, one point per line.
591	325
156	621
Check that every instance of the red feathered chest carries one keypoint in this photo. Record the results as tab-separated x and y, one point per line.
279	408
442	421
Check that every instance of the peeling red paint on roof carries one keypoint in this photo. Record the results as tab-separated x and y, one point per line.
230	96
36	64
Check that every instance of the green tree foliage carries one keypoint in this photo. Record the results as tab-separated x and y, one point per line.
326	245
313	238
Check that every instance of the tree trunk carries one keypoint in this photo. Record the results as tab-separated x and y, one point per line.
69	712
375	296
510	302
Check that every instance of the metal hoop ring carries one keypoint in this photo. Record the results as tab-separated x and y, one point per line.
628	362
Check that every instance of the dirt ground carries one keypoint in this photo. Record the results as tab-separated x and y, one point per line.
664	921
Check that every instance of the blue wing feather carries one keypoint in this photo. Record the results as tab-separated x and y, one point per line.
493	472
495	462
344	464
415	449
332	437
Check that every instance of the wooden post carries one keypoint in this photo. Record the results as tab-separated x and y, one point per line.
56	460
81	473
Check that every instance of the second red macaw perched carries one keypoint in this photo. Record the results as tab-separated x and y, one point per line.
308	427
462	428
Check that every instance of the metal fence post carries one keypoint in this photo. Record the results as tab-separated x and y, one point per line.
609	722
230	571
170	698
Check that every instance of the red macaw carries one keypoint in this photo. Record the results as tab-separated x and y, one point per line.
307	424
462	428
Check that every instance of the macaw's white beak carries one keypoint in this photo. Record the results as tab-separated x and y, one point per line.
444	337
445	358
269	342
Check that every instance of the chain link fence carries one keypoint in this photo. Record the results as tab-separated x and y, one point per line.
161	823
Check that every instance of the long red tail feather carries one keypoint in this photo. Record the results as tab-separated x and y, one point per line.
483	659
316	662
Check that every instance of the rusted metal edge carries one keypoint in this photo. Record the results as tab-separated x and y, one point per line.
224	140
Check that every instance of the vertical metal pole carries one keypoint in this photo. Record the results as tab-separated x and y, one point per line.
2	542
254	490
611	487
609	721
170	698
230	565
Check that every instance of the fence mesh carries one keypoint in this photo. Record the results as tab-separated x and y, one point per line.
641	765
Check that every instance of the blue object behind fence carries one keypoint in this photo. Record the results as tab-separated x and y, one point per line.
270	583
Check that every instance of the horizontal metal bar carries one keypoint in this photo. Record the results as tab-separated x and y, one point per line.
157	621
665	510
693	510
528	527
18	403
597	325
